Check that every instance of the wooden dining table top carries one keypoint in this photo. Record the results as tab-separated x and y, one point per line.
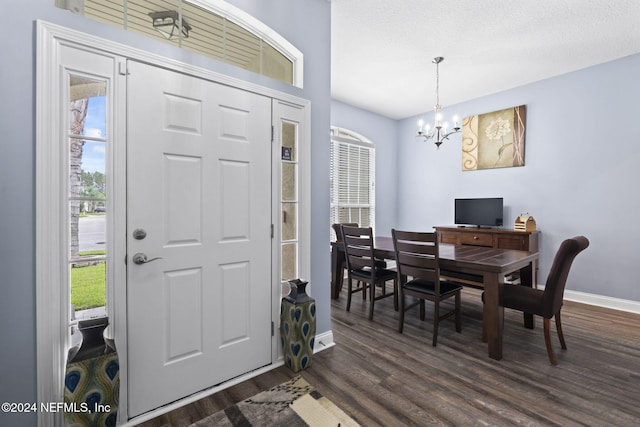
477	258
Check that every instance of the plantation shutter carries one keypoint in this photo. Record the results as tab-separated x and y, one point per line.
352	179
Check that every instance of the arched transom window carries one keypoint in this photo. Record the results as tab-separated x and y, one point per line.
213	28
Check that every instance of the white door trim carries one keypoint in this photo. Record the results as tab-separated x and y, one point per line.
286	112
51	306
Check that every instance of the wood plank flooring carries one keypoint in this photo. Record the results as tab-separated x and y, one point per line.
383	378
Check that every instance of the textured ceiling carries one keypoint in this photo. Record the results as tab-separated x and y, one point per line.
382	50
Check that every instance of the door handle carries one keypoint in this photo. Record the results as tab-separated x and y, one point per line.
141	258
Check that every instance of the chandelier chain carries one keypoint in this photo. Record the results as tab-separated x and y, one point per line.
437	84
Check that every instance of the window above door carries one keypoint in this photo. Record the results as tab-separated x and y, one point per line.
212	28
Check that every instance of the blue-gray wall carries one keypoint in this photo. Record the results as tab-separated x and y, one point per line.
580	176
305	23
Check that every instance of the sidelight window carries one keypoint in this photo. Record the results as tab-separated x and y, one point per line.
289	202
87	197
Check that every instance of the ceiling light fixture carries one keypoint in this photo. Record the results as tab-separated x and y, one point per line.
440	131
169	24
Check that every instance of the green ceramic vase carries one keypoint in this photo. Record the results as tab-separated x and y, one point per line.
92	378
297	326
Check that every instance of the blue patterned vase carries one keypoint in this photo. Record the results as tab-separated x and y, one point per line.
297	326
92	378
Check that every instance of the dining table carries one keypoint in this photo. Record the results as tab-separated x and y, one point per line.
488	265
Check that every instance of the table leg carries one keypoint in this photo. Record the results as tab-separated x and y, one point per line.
528	278
337	267
493	313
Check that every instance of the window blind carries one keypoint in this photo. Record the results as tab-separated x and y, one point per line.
352	181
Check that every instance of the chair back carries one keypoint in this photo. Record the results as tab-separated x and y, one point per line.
557	279
358	247
338	230
417	254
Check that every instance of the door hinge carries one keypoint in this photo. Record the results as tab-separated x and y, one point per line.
122	68
272	232
273	131
273	329
125	259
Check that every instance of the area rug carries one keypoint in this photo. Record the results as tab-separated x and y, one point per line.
294	403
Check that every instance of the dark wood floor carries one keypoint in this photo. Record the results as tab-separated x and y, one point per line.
383	378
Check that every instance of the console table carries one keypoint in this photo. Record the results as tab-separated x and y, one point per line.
497	238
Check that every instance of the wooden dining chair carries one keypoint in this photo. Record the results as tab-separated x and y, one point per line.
380	263
362	266
417	256
337	229
548	302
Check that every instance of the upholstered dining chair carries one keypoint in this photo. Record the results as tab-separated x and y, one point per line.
417	256
548	302
362	266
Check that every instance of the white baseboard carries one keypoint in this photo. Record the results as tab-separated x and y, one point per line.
603	301
323	341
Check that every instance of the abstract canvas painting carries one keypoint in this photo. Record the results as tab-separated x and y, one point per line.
493	140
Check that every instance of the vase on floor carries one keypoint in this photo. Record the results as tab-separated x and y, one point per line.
92	378
297	326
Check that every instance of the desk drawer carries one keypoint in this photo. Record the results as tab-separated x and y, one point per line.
520	243
478	239
451	238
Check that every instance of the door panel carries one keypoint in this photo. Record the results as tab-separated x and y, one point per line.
198	183
182	205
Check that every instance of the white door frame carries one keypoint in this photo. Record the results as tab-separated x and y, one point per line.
51	276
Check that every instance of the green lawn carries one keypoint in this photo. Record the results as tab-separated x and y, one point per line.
88	284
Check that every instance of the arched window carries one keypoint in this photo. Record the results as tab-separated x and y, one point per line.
352	178
213	28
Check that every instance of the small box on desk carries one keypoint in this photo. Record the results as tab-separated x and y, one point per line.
525	223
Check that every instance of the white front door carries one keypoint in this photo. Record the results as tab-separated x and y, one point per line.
199	209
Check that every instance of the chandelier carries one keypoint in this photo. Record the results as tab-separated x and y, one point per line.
440	130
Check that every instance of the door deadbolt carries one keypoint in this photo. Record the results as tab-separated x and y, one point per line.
139	234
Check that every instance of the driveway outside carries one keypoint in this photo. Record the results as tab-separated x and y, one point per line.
92	232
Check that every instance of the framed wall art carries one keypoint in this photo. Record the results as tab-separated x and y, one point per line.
494	140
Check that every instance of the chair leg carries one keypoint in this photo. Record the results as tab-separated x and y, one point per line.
422	310
559	329
372	299
547	340
436	320
349	292
458	316
395	294
401	308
